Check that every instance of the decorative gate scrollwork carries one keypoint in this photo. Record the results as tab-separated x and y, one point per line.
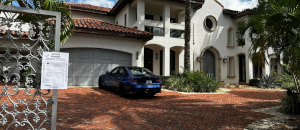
21	48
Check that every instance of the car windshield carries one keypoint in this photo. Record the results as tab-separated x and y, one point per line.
139	71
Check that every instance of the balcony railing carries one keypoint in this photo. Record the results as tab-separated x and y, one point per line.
177	33
155	30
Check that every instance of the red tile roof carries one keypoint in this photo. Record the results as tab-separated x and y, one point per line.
89	8
95	26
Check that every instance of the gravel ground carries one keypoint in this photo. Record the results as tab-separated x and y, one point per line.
279	122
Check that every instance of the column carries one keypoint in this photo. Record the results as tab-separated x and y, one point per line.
166	20
140	14
181	60
166	61
247	68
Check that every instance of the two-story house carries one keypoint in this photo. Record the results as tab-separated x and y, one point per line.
123	36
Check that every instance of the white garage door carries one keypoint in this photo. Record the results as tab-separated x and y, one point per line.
86	65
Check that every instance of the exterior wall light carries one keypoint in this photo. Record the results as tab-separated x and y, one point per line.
137	55
225	60
199	59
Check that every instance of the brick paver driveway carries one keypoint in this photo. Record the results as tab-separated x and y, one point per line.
91	108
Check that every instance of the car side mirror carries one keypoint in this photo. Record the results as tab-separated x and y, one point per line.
107	72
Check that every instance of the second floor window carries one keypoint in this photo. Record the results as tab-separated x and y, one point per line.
230	39
155	30
149	17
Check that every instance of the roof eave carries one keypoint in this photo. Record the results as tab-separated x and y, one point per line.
119	6
114	33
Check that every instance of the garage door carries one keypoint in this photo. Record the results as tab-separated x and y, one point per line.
86	65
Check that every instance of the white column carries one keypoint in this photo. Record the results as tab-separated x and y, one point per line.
181	60
247	62
166	20
250	63
140	14
267	69
166	61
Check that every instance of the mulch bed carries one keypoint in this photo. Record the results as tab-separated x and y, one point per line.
92	108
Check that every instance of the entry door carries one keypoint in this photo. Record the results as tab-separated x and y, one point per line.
209	63
242	68
148	61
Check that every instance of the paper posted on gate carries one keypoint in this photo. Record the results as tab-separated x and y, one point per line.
54	70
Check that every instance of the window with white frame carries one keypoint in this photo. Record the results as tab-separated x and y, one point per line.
231	71
230	37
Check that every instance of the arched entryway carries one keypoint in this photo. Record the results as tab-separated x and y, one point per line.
211	62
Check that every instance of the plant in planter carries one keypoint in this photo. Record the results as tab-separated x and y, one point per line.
291	103
267	82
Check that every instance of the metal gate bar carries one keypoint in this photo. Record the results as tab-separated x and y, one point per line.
57	15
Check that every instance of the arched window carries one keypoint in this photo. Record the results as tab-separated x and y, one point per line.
230	37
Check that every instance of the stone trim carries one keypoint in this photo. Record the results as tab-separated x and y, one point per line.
233	38
228	66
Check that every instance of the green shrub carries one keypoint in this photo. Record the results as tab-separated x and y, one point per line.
253	82
267	81
30	79
163	79
285	81
192	81
291	104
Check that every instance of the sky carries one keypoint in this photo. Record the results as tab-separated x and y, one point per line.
238	5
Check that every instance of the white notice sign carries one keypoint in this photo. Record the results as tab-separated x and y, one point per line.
55	70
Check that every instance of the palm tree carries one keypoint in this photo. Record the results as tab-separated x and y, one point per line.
67	24
187	36
275	26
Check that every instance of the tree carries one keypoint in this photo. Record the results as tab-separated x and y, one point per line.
67	24
187	36
275	26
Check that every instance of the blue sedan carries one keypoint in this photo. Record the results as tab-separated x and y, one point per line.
128	80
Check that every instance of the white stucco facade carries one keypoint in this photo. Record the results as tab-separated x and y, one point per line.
167	51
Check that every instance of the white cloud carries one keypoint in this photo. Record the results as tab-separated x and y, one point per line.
103	3
239	5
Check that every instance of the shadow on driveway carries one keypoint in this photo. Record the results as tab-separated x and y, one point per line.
87	108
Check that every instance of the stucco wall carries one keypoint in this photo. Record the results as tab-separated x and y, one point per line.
120	17
129	45
217	38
